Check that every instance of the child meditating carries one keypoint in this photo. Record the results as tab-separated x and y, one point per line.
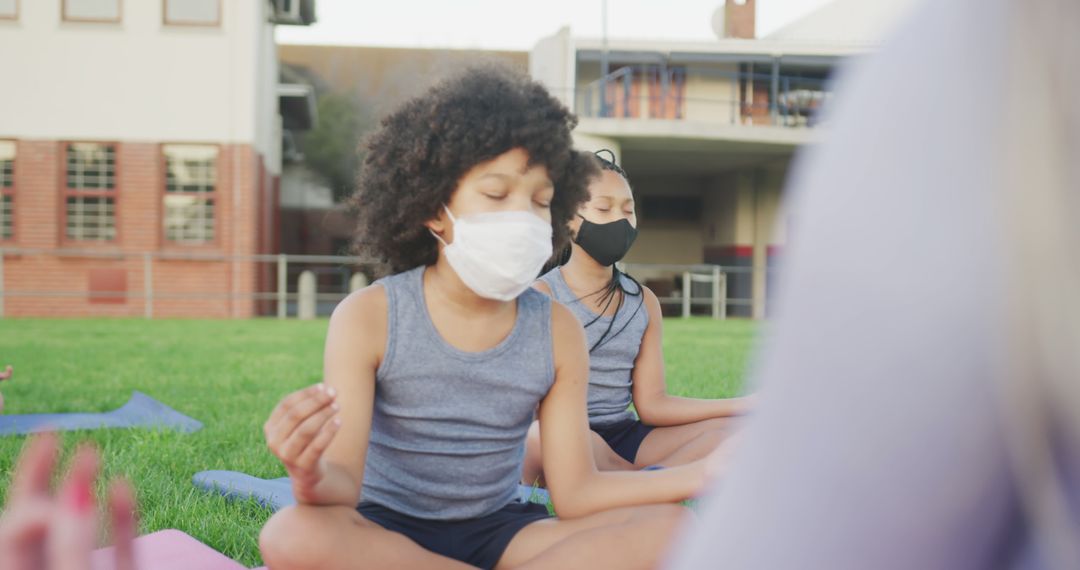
408	455
623	322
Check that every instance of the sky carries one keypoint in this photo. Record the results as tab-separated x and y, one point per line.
518	24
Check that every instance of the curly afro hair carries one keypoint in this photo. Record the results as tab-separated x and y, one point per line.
420	152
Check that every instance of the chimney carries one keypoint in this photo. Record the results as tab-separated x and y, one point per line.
739	19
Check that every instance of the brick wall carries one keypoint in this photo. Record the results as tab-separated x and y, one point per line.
221	285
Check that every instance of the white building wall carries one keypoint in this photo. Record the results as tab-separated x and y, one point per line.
140	80
711	96
267	119
553	62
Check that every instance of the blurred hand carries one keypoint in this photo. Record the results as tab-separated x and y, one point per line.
43	531
300	429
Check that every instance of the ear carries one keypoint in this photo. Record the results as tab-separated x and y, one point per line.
438	223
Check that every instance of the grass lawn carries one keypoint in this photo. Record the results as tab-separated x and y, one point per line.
229	375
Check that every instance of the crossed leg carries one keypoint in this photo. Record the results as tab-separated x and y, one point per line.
302	537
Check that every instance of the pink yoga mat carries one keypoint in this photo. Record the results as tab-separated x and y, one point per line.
169	550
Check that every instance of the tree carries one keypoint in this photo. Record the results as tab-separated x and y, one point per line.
332	148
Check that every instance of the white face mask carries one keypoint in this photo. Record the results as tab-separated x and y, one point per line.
498	255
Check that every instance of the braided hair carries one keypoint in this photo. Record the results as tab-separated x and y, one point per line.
614	289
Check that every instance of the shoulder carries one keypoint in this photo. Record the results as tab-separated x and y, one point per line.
544	283
567	335
362	315
562	319
652	303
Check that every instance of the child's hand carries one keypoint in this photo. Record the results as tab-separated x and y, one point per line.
40	530
7	372
300	429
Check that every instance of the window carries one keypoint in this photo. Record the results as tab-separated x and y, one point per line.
7	189
190	192
193	12
91	10
90	196
9	9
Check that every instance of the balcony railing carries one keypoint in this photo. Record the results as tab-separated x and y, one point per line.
661	92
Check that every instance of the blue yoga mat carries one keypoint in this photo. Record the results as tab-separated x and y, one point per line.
140	411
277	494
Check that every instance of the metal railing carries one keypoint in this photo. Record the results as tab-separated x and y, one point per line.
698	289
659	92
279	294
306	286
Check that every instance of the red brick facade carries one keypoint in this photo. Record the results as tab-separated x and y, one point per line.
245	207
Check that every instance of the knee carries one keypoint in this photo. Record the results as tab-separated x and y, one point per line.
290	539
722	425
712	439
663	519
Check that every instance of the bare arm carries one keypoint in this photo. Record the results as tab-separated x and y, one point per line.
577	488
321	433
651	400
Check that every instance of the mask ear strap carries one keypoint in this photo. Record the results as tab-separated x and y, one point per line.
438	237
452	219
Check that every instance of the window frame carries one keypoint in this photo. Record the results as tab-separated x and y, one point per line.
66	191
213	197
191	24
66	18
11	191
14	17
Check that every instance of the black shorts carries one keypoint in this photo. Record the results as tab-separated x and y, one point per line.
479	542
624	437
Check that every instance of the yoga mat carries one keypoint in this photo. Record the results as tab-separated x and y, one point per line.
140	411
168	550
277	494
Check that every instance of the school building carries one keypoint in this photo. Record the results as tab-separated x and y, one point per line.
140	150
707	130
150	145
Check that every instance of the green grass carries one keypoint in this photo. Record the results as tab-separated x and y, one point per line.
229	375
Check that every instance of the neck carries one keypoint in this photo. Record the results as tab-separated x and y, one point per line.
441	280
584	273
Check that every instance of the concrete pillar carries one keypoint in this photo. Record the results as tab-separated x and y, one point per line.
760	263
305	309
357	282
774	92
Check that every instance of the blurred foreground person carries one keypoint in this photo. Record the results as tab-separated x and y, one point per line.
920	403
40	530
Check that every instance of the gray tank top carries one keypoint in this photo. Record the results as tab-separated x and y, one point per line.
612	362
448	428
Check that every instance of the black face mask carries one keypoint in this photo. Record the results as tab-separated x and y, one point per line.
606	243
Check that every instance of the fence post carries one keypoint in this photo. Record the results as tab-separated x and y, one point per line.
305	306
357	282
723	296
717	301
687	291
282	284
148	286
